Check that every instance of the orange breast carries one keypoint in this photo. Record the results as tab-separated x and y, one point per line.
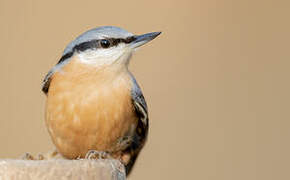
89	109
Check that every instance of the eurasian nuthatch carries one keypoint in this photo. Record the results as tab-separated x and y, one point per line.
93	101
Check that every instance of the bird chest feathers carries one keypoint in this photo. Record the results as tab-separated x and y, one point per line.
88	108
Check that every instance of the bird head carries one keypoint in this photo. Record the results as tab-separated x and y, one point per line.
106	45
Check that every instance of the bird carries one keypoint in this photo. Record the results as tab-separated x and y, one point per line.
94	104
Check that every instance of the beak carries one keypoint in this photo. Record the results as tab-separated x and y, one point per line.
143	39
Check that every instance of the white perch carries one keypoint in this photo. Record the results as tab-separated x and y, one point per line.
103	169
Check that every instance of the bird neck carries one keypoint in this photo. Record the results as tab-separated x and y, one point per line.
119	55
78	71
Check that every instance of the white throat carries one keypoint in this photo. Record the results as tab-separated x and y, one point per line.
99	57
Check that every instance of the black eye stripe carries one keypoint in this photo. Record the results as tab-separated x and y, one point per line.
128	39
95	44
64	57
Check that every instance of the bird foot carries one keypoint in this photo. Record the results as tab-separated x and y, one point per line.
28	156
50	155
53	155
93	154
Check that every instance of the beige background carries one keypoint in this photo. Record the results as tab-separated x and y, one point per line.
216	81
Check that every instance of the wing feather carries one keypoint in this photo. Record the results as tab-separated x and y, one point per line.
140	135
46	82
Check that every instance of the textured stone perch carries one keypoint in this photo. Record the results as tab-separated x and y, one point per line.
82	169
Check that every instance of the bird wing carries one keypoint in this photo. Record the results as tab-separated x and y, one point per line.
140	136
46	82
140	109
63	60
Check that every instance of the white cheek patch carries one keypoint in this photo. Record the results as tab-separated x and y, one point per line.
102	56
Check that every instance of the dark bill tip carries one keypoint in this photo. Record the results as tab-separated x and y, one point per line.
143	39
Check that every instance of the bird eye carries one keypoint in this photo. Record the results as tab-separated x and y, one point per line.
105	43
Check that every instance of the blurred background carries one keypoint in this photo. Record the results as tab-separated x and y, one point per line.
216	81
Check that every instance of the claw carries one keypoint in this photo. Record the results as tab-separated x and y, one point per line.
93	154
27	156
52	154
40	157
